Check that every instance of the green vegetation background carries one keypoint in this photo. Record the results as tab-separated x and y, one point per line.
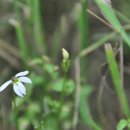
87	91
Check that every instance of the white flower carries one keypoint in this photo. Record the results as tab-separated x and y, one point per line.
17	82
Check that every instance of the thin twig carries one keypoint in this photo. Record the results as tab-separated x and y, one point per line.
10	59
99	98
99	43
15	110
96	45
100	19
121	64
77	94
9	48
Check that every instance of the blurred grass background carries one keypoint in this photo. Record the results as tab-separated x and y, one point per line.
89	96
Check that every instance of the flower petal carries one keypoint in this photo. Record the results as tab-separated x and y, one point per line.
22	73
21	88
5	85
25	79
17	91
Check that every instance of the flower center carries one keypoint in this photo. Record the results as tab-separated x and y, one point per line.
15	80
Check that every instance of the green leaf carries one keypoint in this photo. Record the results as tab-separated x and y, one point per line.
122	124
37	79
51	69
58	86
110	15
32	111
117	80
50	123
23	122
84	109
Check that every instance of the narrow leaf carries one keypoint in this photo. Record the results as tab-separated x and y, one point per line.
110	15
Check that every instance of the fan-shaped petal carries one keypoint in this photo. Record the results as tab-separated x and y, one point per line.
25	79
5	85
21	88
17	91
22	73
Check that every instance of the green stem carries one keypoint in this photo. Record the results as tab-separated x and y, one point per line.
15	110
20	33
62	94
38	31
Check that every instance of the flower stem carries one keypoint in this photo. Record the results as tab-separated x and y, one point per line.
15	111
62	94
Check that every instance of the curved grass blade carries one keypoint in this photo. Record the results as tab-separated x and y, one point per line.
110	15
117	80
84	109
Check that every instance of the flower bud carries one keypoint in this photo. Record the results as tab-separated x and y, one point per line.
65	60
65	54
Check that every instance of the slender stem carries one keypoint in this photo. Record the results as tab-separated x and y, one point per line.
15	111
62	95
77	95
96	45
37	26
100	19
122	16
121	64
99	43
20	33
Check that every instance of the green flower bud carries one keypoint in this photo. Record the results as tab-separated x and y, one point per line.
65	60
65	54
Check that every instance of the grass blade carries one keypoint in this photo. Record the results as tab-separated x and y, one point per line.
19	33
37	26
83	31
84	109
117	80
110	15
